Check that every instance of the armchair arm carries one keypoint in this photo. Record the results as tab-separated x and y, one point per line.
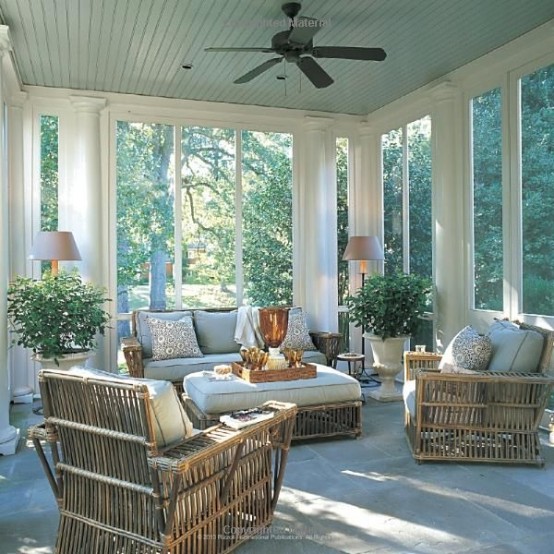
416	361
237	458
132	350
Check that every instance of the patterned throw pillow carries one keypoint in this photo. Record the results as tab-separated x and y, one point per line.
468	351
173	339
297	336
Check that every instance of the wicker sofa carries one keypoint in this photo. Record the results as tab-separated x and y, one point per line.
215	330
122	488
476	417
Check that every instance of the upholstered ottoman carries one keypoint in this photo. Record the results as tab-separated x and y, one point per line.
328	405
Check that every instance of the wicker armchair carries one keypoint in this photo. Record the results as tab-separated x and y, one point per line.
480	417
118	492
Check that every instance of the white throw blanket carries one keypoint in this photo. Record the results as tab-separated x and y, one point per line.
247	330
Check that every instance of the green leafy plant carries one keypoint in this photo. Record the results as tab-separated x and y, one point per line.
57	315
390	305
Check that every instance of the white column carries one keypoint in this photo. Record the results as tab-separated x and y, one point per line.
448	208
22	369
9	435
318	228
366	208
81	204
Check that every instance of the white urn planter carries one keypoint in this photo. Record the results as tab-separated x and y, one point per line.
387	362
65	362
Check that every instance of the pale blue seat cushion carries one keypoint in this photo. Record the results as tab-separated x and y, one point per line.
514	349
218	396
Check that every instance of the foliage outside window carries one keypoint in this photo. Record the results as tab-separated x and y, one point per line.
267	217
208	216
537	190
145	215
392	148
49	171
342	233
486	110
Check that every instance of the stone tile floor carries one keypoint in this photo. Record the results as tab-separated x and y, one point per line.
345	495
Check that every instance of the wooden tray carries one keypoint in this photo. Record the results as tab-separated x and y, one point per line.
306	371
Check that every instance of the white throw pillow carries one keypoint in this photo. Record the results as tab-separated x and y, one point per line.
468	351
514	349
170	420
173	339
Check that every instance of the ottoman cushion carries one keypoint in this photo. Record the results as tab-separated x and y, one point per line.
217	396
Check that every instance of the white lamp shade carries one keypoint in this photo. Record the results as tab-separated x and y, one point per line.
54	245
363	248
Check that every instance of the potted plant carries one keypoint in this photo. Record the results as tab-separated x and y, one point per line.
57	317
389	307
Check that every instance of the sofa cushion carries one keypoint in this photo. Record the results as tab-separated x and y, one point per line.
298	336
216	331
514	349
171	423
143	332
468	351
173	339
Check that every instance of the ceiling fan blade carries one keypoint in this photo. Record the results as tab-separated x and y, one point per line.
224	49
349	53
257	71
315	73
304	29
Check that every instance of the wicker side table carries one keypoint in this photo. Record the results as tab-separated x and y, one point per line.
328	344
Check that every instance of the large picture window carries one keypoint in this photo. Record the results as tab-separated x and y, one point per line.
219	236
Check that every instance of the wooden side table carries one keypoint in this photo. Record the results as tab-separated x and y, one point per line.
352	358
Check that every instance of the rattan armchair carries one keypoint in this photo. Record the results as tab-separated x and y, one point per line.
118	492
479	417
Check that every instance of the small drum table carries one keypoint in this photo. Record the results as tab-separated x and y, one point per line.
352	359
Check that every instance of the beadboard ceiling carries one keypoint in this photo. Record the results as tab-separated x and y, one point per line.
138	46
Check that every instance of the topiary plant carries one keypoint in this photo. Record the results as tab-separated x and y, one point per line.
57	315
390	305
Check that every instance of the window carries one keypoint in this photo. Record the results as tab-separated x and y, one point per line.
219	236
49	139
537	190
145	215
392	147
267	217
342	234
486	118
208	216
407	201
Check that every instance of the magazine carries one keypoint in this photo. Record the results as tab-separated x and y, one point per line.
243	418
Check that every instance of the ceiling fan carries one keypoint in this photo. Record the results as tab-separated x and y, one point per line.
296	46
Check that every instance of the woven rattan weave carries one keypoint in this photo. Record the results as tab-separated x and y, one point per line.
312	422
478	417
119	493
